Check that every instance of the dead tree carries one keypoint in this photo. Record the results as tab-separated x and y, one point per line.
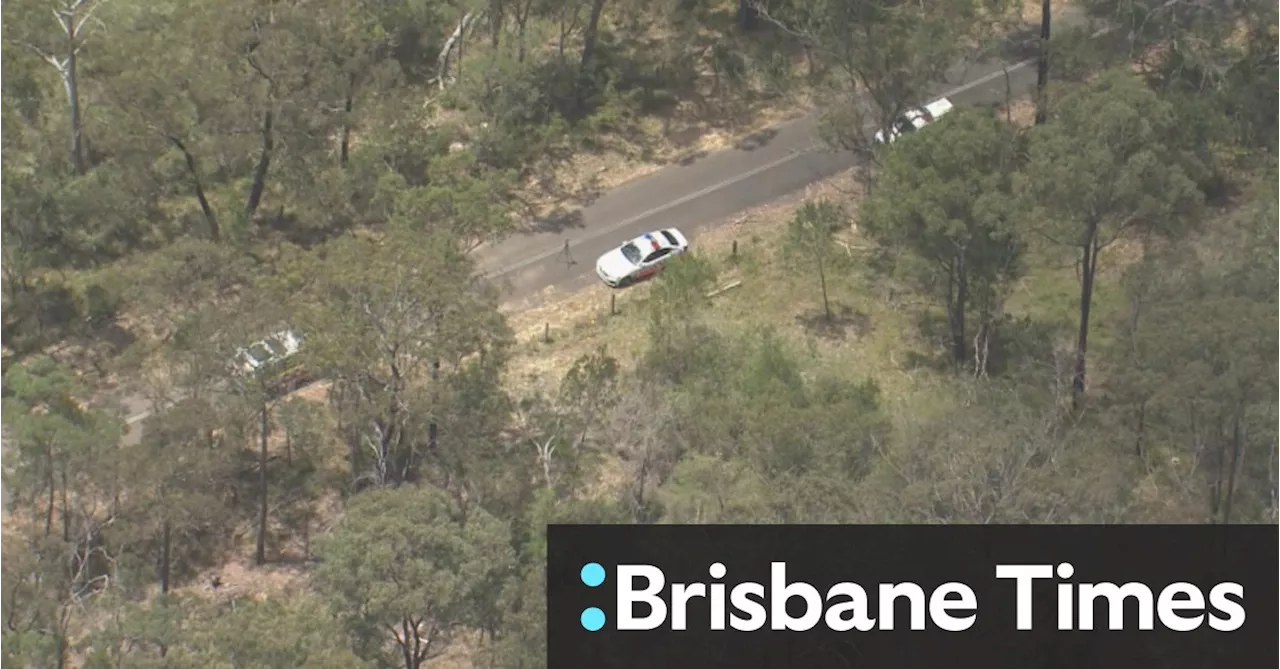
72	17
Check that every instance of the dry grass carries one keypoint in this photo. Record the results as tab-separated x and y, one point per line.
240	578
1022	112
579	323
12	530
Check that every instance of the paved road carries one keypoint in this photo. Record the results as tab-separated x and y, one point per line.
704	193
700	195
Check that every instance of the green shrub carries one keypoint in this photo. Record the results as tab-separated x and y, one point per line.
100	304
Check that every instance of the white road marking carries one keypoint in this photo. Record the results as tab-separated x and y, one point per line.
596	232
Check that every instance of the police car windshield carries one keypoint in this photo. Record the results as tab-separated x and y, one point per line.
631	252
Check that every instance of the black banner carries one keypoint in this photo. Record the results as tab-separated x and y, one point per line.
899	597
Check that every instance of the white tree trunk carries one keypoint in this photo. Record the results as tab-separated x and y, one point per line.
71	17
455	39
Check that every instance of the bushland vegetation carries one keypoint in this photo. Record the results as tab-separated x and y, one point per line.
1083	305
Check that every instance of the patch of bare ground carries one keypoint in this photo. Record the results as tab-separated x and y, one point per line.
1032	9
462	652
611	477
13	528
1021	112
316	392
240	578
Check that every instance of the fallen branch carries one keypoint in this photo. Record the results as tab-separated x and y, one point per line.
724	289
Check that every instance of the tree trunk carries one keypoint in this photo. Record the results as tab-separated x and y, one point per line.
1042	67
165	538
982	347
1237	450
260	557
958	344
264	163
588	48
462	41
746	16
822	280
643	474
521	9
521	22
1089	266
589	37
66	508
53	497
432	429
205	208
407	652
1215	488
61	641
1140	441
442	60
497	12
73	101
344	148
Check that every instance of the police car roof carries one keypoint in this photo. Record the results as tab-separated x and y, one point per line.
652	240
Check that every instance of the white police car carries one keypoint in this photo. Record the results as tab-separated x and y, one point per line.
640	258
913	120
273	361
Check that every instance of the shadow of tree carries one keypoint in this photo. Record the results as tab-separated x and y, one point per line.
756	140
558	221
844	321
